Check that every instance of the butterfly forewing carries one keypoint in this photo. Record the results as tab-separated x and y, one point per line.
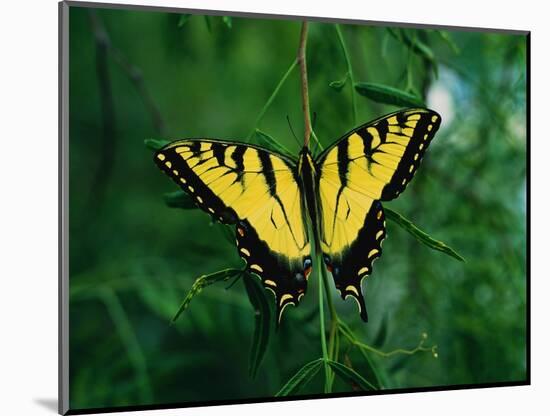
372	163
257	191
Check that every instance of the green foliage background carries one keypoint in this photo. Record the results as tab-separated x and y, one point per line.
139	75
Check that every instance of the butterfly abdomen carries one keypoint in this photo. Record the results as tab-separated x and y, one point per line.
307	173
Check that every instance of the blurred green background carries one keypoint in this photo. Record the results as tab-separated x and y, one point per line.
136	75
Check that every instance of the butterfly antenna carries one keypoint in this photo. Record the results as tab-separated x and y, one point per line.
292	130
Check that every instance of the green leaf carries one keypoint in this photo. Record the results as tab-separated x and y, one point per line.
420	235
201	283
262	316
301	378
155	144
388	95
339	84
350	376
183	19
371	370
420	48
266	140
228	21
179	199
416	45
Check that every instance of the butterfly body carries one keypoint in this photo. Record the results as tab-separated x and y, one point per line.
274	200
307	171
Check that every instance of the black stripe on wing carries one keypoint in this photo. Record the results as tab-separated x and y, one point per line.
170	162
426	126
409	132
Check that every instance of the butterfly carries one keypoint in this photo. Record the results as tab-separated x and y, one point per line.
272	199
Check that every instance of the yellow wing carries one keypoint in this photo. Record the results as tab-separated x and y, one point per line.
372	163
256	190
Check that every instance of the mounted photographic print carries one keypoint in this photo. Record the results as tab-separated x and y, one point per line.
264	208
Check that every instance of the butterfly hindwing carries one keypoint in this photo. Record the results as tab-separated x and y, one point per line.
257	191
351	229
374	162
354	262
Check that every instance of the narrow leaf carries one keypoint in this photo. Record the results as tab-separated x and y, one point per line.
268	141
420	48
155	144
183	19
179	199
262	316
417	46
372	370
201	283
369	371
339	84
388	95
228	21
301	378
350	376
421	235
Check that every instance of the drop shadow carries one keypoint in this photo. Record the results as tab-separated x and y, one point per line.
49	404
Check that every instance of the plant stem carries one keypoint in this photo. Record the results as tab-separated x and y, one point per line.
133	72
330	352
327	352
350	71
319	267
301	58
333	332
108	138
272	97
418	348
